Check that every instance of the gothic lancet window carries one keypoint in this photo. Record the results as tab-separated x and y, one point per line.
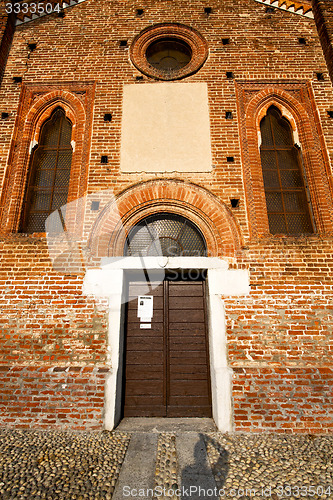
49	173
286	197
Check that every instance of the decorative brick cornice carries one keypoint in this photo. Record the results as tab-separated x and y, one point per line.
27	14
300	7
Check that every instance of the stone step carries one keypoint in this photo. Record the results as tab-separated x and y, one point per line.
168	458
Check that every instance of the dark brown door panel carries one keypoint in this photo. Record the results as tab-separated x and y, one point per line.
166	366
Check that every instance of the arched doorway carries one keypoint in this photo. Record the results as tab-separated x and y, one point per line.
222	237
166	366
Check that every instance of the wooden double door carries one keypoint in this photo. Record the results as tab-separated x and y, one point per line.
166	369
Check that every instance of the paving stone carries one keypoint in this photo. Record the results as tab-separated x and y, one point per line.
59	465
79	465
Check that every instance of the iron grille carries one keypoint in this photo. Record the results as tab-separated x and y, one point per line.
168	54
286	200
47	187
165	234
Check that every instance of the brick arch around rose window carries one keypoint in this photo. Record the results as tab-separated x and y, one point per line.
201	207
27	135
313	155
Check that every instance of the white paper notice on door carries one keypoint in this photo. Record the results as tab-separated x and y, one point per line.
145	308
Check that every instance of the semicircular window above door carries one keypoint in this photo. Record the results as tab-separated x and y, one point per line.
165	234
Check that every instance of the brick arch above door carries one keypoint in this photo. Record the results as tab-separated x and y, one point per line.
201	207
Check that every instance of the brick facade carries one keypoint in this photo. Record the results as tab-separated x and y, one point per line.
53	363
53	396
323	14
7	23
54	337
280	337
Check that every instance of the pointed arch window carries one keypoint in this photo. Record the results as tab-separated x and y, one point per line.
49	173
287	201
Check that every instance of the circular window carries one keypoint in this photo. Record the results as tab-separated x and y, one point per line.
169	51
169	54
165	234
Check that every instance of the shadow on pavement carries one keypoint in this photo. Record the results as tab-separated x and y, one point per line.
197	479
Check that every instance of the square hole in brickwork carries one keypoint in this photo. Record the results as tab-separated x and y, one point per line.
139	12
32	46
229	74
4	115
270	10
108	117
61	14
234	202
94	205
208	10
228	115
230	159
225	41
302	41
123	43
17	79
104	159
320	77
139	78
330	114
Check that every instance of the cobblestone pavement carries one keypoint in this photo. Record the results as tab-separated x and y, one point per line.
60	465
68	465
272	465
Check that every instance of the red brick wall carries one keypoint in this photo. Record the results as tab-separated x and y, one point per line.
52	342
63	397
6	34
257	50
283	399
323	14
280	336
45	317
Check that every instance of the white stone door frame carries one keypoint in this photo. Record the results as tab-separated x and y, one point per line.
108	281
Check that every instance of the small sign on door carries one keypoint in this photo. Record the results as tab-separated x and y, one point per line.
145	308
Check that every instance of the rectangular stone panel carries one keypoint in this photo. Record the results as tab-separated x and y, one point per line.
165	128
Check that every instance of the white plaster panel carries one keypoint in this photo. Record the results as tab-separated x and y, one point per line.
115	301
103	283
165	128
163	262
221	374
229	282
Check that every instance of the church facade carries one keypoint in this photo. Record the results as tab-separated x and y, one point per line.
166	213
